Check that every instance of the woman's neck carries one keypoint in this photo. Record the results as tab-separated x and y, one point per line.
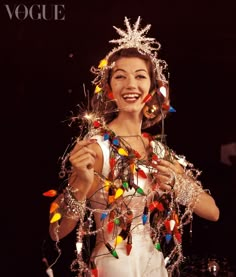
126	126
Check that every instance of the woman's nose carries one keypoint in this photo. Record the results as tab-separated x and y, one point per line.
131	82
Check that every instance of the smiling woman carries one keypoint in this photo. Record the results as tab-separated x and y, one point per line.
121	185
143	73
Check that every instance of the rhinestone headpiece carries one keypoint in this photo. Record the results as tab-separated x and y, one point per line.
133	38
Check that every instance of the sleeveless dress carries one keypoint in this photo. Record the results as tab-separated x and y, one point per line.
144	259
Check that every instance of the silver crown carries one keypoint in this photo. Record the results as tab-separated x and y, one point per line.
134	38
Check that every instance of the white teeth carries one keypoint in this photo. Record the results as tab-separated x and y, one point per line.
133	95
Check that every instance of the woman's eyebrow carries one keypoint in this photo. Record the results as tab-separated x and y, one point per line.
120	69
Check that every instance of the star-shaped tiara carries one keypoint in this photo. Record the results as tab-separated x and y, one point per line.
133	37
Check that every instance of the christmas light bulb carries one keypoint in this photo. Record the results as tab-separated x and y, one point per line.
103	63
166	260
106	136
104	215
54	206
172	224
50	193
118	240
145	215
79	246
158	246
144	218
128	248
94	271
55	218
112	250
97	89
141	173
106	185
125	184
119	193
122	152
162	90
117	221
129	244
138	189
115	141
172	110
149	96
168	237
110	226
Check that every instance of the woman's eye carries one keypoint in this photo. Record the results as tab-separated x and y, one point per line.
119	77
141	77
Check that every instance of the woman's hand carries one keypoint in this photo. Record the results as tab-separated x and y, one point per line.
166	173
82	159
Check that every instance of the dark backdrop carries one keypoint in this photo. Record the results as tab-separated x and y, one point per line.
44	68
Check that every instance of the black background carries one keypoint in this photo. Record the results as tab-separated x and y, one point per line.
44	68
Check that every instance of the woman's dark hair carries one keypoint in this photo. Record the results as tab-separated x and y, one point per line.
108	108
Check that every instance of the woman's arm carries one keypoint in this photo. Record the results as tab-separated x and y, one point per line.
188	191
85	158
206	207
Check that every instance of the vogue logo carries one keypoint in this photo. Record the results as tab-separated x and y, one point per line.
36	12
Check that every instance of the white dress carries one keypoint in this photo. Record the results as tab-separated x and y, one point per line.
144	259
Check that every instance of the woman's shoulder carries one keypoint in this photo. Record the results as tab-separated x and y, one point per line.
101	145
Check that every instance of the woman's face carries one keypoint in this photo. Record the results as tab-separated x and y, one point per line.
130	83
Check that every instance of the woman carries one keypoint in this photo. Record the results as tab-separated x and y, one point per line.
128	184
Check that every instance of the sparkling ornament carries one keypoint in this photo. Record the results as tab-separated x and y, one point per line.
213	267
150	112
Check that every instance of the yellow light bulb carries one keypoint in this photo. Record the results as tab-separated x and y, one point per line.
118	240
102	63
97	89
55	218
122	152
119	192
